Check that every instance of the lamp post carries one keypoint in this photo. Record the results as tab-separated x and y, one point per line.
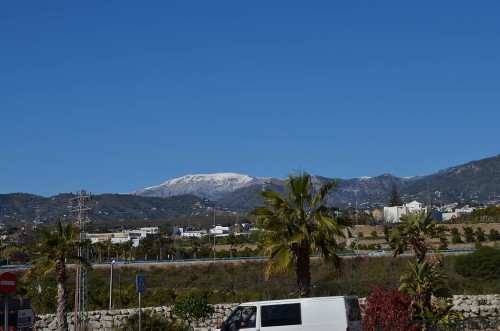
111	286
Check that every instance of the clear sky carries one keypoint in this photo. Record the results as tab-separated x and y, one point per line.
114	96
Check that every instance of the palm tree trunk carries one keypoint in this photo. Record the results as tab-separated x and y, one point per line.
303	271
62	297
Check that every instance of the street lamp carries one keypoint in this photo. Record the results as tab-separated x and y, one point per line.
111	286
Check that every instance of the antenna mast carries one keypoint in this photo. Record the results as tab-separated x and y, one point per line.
79	209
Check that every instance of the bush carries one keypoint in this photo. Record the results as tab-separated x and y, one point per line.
192	307
493	235
151	322
480	236
388	309
481	265
455	236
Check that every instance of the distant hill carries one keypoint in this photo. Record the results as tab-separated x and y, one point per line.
23	208
476	181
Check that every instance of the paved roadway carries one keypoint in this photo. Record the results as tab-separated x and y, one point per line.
149	263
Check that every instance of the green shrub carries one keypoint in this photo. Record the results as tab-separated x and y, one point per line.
151	322
192	307
483	264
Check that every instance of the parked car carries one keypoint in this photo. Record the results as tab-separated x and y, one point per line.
379	253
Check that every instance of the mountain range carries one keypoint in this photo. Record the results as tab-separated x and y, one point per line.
473	182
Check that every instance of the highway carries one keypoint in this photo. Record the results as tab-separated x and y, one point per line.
142	263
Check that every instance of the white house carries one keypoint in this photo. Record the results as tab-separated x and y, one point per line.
393	214
414	206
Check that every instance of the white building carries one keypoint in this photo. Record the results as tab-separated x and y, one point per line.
192	234
393	214
220	231
450	215
120	237
414	206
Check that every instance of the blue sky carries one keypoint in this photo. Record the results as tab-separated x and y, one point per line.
114	96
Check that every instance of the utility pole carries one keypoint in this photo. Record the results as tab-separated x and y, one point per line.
214	232
79	209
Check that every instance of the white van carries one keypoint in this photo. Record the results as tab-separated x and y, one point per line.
340	313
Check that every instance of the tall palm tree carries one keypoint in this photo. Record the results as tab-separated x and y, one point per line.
413	232
232	241
126	247
100	246
161	241
195	247
296	225
57	247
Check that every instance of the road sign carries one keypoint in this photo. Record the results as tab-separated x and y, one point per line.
140	283
25	318
8	283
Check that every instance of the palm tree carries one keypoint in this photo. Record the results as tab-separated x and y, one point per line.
233	241
3	248
195	247
413	232
58	246
161	241
100	246
126	247
296	225
425	283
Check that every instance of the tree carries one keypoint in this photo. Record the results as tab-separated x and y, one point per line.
296	225
469	234
58	247
493	235
426	284
395	199
100	246
480	236
455	236
161	241
413	231
232	241
195	247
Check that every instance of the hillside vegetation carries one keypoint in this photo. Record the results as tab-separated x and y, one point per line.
229	282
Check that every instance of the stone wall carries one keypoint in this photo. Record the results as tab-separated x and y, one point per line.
471	306
478	305
109	320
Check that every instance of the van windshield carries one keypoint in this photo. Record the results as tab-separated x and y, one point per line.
243	317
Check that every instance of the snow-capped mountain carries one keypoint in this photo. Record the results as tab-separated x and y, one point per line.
209	186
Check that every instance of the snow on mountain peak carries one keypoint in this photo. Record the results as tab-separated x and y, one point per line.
365	177
210	186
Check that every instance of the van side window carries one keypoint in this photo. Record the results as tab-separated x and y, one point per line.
284	314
